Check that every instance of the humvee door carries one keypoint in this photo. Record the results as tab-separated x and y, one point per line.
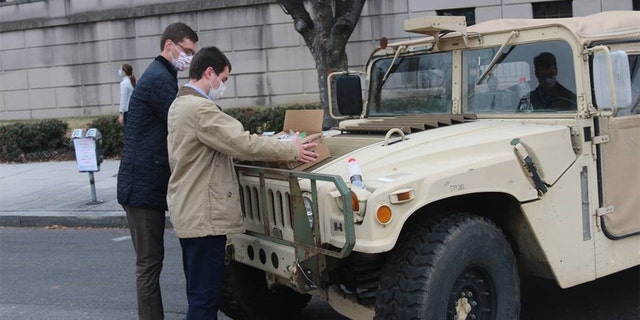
620	160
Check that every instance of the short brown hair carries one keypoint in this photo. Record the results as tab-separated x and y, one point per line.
545	60
177	32
205	58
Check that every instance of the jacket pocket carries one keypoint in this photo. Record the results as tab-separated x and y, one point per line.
161	160
160	174
225	204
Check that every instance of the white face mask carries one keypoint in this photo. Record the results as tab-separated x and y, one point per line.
216	94
120	74
182	62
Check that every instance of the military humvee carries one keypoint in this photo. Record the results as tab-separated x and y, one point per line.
481	165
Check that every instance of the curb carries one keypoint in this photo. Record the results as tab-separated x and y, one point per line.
108	219
72	222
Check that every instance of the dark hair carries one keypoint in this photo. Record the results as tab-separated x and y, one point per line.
205	58
128	70
545	59
177	32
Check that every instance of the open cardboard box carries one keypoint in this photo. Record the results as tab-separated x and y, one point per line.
309	122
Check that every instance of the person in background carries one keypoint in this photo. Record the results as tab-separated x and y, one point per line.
550	94
143	174
126	89
203	199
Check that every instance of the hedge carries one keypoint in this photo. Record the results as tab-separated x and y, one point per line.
49	139
39	141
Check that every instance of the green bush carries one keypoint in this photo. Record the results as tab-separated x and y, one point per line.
36	141
258	120
112	135
49	139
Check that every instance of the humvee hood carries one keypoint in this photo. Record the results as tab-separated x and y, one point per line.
468	146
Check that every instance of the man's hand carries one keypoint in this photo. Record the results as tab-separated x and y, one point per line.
304	154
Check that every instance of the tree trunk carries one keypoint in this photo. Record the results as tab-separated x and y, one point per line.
326	36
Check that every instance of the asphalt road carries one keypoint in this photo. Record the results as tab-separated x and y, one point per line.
75	274
88	274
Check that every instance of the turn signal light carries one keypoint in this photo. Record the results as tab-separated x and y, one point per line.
383	214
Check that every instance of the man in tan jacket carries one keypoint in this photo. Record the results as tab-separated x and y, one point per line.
203	199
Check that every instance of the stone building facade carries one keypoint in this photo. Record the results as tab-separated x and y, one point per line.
59	58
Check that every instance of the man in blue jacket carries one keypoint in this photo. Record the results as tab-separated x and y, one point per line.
144	166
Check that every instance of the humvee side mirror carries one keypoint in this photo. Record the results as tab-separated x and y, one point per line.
611	79
349	95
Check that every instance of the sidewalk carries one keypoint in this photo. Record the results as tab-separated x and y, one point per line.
55	193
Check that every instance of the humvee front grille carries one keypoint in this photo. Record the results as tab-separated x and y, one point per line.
277	211
274	211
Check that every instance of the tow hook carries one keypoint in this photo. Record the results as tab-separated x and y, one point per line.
301	278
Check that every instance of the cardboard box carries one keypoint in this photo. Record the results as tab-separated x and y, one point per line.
309	122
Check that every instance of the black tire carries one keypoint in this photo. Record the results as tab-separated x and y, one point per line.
437	263
245	295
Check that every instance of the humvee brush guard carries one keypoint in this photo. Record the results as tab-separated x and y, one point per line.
488	152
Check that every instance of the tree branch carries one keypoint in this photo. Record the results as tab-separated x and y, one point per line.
347	16
301	18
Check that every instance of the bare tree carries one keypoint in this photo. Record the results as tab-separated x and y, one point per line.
326	35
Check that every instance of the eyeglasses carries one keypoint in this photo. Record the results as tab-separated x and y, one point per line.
185	50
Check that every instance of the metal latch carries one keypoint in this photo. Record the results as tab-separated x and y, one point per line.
600	139
604	210
530	167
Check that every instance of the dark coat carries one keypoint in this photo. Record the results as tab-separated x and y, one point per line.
144	172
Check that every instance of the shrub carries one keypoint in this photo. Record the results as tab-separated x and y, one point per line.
49	139
258	120
112	135
33	141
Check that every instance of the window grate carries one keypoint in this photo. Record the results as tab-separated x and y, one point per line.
552	9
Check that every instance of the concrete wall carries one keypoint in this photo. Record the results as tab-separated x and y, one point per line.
58	58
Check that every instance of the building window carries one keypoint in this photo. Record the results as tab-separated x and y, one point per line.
552	9
636	5
468	13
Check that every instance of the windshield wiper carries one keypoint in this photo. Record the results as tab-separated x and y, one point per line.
400	50
498	57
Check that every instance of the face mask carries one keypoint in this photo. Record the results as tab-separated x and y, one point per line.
120	73
182	62
548	82
216	94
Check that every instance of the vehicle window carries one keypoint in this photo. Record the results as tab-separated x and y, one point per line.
415	85
634	66
536	77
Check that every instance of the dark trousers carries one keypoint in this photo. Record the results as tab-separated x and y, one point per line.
147	233
203	262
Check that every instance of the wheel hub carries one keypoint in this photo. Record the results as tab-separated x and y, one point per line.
473	296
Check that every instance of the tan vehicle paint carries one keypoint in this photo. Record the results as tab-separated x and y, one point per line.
575	219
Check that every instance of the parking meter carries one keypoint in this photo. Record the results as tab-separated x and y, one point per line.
87	146
95	134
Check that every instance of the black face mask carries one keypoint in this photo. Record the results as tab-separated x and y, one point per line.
547	82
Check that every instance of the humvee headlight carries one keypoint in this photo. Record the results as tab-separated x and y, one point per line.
308	207
383	214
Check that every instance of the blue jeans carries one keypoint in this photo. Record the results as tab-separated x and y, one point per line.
203	263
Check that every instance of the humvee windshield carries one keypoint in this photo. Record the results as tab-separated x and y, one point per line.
415	85
421	83
551	84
